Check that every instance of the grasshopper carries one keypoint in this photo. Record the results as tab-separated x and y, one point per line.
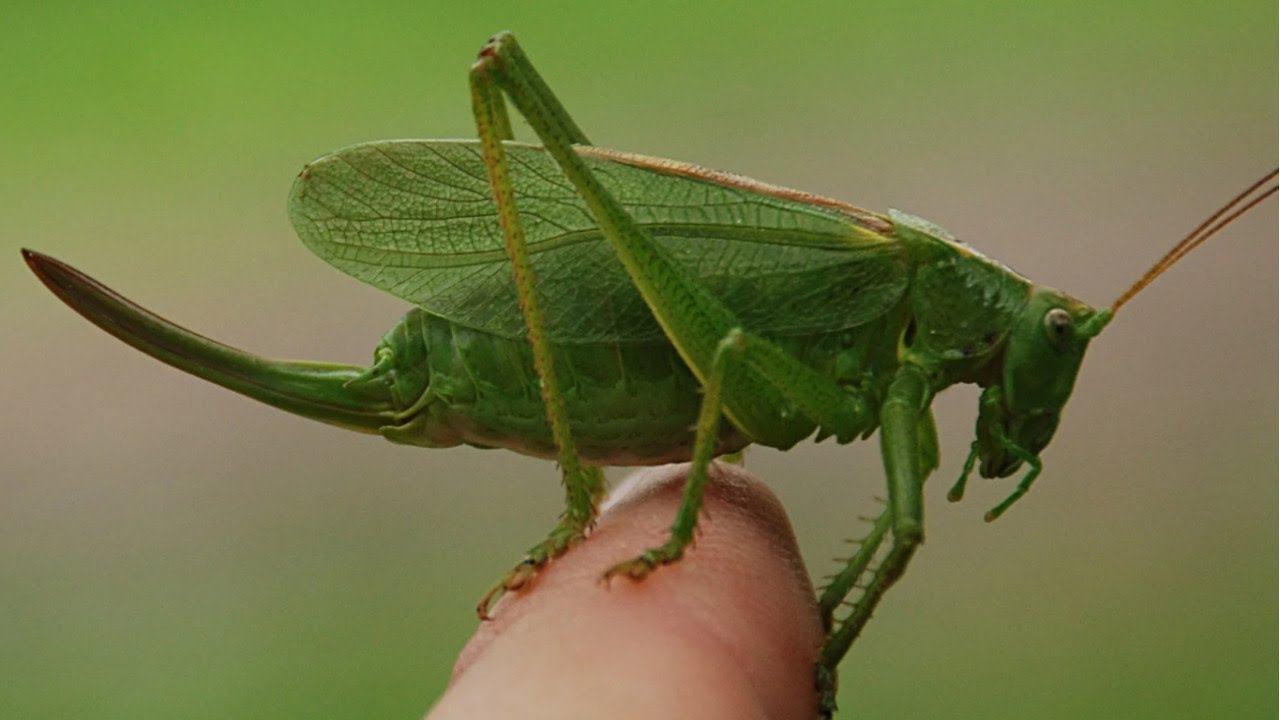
606	308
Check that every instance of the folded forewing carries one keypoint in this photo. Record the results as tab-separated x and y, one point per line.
416	218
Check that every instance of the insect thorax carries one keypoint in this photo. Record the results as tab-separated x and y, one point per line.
963	305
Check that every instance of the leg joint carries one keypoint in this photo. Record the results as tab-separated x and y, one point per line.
733	341
907	534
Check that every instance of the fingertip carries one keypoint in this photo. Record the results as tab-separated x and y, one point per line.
739	606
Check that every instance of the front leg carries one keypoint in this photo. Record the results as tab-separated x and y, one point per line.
908	459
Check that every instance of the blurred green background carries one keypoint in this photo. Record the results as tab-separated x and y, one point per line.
169	549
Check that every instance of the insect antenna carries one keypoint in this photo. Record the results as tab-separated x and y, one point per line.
1238	206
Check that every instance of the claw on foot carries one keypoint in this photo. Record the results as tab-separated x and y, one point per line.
520	576
639	568
825	684
636	569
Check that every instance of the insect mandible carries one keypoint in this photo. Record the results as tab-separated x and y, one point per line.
659	312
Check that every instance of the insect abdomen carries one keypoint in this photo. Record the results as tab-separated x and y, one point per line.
629	404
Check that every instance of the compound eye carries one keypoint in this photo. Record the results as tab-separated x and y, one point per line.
1057	324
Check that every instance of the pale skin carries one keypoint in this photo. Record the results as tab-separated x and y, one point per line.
731	631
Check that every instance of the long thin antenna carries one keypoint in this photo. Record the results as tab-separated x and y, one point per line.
1238	206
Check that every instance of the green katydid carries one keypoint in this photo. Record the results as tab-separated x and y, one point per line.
653	301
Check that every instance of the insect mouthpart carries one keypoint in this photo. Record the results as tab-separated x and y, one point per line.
1028	433
1004	442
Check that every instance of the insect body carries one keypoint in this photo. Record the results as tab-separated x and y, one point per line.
652	300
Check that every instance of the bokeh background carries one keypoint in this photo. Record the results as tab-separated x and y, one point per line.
168	549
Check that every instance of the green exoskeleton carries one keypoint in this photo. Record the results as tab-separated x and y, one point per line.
659	312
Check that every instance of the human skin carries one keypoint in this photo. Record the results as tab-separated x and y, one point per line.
729	631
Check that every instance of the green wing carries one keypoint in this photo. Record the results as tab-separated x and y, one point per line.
416	218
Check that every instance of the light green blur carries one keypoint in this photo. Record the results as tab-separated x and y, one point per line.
167	550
